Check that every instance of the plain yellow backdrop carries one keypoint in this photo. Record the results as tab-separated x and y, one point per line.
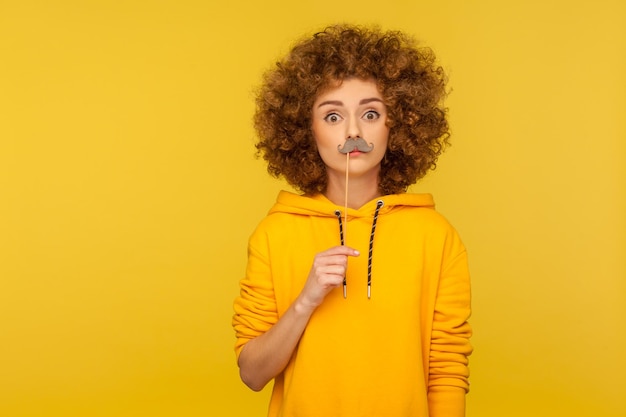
128	189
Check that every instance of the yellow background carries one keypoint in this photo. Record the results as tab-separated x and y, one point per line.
128	189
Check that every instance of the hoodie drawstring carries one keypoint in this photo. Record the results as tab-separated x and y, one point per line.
379	205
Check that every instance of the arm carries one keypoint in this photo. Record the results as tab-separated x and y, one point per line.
266	355
450	346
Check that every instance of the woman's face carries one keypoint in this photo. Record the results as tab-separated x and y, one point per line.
352	109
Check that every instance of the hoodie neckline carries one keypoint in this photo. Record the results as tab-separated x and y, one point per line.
320	205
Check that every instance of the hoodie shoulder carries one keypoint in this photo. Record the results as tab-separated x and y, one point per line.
291	203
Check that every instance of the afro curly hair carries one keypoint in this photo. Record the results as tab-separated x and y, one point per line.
413	87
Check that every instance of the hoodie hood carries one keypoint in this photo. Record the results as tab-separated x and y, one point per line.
319	205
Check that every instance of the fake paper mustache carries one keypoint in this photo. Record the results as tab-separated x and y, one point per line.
359	144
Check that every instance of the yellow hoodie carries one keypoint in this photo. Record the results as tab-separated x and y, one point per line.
400	353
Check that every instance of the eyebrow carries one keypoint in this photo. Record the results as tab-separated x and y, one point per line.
340	103
370	100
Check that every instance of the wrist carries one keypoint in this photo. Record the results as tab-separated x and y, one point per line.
303	307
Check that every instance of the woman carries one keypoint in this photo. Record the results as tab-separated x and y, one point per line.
357	295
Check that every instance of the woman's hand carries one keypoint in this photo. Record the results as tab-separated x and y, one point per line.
265	356
327	273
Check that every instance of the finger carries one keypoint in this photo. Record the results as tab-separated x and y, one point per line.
341	250
330	280
326	260
333	270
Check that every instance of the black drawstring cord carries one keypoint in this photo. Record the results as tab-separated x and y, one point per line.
345	285
379	205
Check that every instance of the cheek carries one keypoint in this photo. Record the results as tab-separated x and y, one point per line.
327	154
383	136
325	141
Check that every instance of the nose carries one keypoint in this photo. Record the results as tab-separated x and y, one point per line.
353	129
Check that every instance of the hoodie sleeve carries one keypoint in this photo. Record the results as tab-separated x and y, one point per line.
450	345
255	308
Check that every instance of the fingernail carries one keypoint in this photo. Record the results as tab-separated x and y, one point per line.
356	252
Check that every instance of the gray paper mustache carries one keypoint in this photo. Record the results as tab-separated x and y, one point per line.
359	144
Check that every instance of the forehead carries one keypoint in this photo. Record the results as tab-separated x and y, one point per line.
349	87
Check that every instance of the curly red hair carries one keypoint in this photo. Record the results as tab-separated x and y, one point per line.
413	87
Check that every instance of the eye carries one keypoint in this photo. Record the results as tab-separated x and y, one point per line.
332	118
371	115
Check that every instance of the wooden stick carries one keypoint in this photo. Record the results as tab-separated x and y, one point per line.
346	196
